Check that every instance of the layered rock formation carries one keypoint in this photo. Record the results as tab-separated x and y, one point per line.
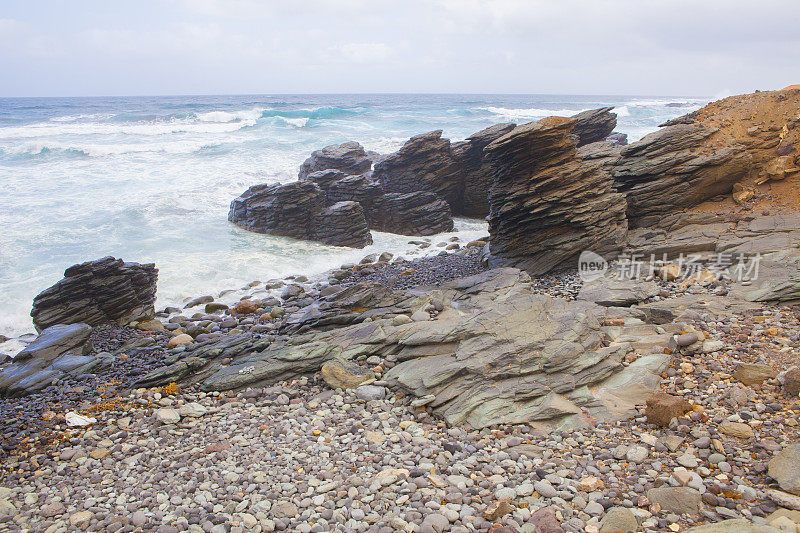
340	187
550	200
96	292
300	210
349	157
58	350
751	138
594	125
531	358
416	213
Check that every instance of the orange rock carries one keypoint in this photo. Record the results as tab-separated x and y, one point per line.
245	307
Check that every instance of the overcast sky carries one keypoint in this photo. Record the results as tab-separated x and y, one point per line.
643	47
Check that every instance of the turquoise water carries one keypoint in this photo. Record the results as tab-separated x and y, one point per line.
151	178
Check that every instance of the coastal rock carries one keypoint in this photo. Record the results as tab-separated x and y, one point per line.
475	170
415	213
96	292
339	187
424	163
550	200
349	157
299	210
737	525
594	125
460	361
340	374
753	373
57	350
663	407
678	500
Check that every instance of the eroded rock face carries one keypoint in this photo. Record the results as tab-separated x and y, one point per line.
96	292
550	200
57	350
496	353
339	187
676	167
594	125
416	213
300	210
349	157
424	163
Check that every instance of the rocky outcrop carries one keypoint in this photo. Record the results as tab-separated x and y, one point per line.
300	210
96	292
416	213
532	358
339	187
424	163
58	350
674	168
349	157
550	200
594	125
475	170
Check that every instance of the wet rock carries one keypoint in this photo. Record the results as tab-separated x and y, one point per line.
416	213
349	157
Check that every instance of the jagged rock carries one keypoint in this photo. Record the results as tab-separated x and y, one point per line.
57	350
533	358
96	292
594	125
348	157
299	210
550	201
675	168
424	163
475	170
609	291
415	213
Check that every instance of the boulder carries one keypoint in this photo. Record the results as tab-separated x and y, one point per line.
349	157
619	520
550	200
753	373
58	350
784	467
661	408
299	210
791	382
340	374
594	125
97	292
678	500
415	213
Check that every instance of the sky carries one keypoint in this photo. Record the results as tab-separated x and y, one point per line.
639	47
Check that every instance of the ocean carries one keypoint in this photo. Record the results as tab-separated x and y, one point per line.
150	179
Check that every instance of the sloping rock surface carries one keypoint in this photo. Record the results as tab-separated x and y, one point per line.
57	350
497	352
550	201
594	125
99	291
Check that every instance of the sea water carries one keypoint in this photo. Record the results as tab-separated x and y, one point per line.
150	179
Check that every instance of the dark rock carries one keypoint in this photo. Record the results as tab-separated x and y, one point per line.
551	201
620	139
339	187
99	291
348	157
415	213
424	163
594	125
299	210
57	350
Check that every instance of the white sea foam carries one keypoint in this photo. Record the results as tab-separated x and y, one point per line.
125	128
622	111
533	112
248	116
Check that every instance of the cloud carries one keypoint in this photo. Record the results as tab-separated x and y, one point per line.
365	52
